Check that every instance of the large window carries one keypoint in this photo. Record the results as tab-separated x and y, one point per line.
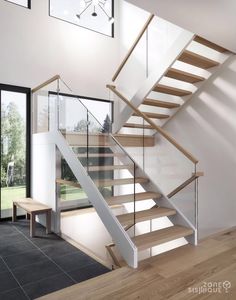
25	3
15	146
96	15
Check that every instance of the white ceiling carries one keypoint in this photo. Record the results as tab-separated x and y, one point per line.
213	19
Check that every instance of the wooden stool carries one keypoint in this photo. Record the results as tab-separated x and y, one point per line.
32	209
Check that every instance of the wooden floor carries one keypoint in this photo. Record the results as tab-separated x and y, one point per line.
181	274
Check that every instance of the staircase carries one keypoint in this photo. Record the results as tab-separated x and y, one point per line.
187	66
110	177
191	68
135	179
179	74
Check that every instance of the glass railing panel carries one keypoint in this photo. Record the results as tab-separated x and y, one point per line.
70	194
118	167
164	163
187	202
169	168
157	40
133	73
161	36
42	107
101	155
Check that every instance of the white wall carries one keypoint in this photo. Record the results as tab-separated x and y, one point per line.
35	46
43	170
214	20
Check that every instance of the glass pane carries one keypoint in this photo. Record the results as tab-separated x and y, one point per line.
13	149
42	107
94	15
24	3
99	108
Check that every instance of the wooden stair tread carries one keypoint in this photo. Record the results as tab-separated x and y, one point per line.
114	200
134	140
144	215
153	115
120	135
99	145
111	182
109	168
106	141
197	60
157	237
209	44
134	125
160	88
183	76
92	155
159	103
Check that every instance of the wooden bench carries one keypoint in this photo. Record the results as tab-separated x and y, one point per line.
33	208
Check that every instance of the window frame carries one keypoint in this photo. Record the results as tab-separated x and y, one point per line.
112	26
27	7
27	92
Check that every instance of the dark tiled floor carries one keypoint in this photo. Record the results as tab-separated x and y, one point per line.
33	267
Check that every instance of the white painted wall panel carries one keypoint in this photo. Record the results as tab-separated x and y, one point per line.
35	46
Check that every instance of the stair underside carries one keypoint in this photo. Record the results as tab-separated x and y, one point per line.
159	103
134	125
209	44
153	115
197	60
116	200
160	88
109	168
183	76
154	238
144	215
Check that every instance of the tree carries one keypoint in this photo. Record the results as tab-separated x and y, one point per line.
106	128
13	139
81	126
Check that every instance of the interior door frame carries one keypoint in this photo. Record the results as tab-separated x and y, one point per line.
27	92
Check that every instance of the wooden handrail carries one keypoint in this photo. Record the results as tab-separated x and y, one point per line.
184	184
133	47
37	88
156	127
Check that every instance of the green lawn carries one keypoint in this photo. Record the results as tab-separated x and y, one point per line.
71	193
8	194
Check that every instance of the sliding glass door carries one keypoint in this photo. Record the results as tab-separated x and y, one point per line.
15	146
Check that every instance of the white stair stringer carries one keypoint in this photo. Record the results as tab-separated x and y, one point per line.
173	53
164	201
124	243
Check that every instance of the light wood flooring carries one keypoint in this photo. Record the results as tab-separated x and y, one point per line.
172	275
